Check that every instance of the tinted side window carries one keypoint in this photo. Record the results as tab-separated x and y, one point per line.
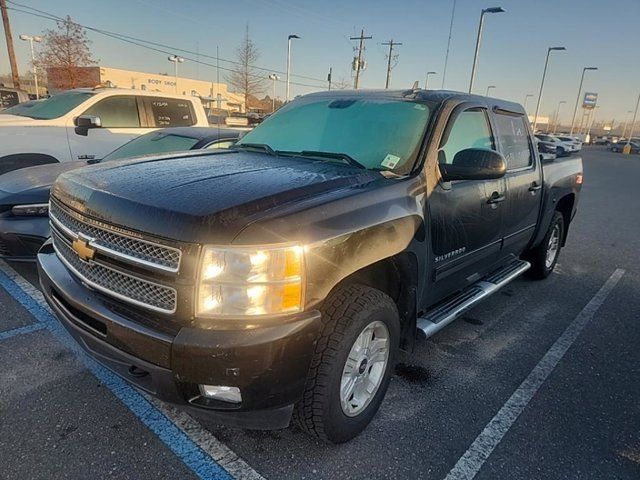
514	141
116	112
470	130
170	112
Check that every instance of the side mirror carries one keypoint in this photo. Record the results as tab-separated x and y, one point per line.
474	164
85	122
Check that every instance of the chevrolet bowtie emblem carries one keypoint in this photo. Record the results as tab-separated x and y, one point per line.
82	248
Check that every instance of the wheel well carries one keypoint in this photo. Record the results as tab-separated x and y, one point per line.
397	277
565	207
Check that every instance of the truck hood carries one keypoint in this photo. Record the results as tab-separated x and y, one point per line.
208	198
32	184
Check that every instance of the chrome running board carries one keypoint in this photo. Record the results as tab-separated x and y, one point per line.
447	311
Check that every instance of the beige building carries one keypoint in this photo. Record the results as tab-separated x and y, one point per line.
214	95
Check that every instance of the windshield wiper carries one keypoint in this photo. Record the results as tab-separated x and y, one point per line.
335	155
258	146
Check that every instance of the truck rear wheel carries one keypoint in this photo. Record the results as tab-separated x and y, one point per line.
352	364
544	257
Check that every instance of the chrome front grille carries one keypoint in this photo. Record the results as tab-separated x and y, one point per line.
106	239
116	283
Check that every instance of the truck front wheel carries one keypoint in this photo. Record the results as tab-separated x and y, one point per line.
352	363
544	257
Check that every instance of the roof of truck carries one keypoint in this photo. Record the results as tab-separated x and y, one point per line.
424	95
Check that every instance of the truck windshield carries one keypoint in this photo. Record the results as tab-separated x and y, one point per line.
152	143
379	134
55	106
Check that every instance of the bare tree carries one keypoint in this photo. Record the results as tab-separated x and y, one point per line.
64	54
245	78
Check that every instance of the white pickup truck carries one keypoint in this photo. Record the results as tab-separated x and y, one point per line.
86	124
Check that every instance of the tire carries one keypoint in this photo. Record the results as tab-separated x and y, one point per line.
561	152
541	264
346	315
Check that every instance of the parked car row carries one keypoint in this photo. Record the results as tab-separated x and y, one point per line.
564	145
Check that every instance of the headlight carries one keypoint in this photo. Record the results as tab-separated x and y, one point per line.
248	281
35	210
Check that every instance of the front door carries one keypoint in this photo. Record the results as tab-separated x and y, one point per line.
466	215
122	120
523	181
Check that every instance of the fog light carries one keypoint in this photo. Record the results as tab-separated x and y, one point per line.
225	394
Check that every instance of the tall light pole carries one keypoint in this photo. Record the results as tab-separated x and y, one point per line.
489	88
555	126
526	99
627	148
626	123
275	78
289	38
31	39
575	110
426	81
478	40
175	60
544	74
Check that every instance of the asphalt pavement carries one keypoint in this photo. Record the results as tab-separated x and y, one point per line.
542	380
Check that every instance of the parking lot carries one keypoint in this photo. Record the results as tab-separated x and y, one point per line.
542	380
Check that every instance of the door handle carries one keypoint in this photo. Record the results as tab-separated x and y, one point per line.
496	198
534	187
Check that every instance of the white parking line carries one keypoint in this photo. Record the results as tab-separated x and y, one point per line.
219	452
470	463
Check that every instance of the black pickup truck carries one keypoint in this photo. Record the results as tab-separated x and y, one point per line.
280	279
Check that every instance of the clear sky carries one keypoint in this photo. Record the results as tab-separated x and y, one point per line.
602	33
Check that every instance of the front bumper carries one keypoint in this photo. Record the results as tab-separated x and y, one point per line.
268	364
22	237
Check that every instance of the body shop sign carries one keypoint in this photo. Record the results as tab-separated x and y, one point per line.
590	100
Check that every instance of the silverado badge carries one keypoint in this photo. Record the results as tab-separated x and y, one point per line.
82	248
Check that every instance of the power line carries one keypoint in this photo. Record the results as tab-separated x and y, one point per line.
141	43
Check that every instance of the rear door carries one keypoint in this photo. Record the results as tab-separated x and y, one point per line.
122	118
523	181
465	223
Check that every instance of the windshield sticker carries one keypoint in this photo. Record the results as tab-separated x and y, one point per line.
419	107
390	161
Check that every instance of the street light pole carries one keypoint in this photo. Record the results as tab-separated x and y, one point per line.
555	126
31	39
544	74
627	147
478	41
626	123
275	78
526	98
489	88
289	38
175	60
575	110
426	81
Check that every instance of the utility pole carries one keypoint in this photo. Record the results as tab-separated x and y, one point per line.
358	64
329	77
391	44
9	38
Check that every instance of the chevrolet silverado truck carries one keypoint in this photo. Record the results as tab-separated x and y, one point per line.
88	123
280	279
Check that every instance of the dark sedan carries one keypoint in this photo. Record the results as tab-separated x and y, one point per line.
24	193
618	147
